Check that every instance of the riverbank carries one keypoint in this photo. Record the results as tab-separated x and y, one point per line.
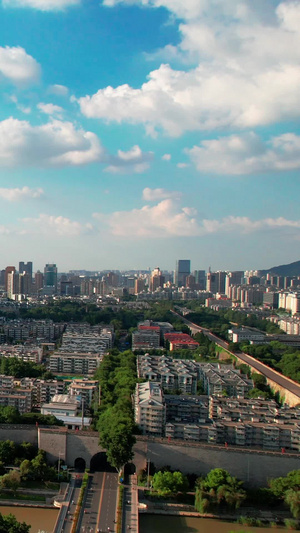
267	516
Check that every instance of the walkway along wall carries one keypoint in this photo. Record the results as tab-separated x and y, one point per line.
286	396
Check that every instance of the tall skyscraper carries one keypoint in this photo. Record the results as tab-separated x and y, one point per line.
50	278
8	270
39	281
215	282
25	267
183	269
156	279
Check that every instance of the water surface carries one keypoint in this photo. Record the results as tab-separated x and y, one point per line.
185	524
39	519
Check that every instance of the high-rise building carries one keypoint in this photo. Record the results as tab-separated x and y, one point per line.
156	280
25	267
8	270
25	283
139	285
215	282
233	278
39	281
50	278
12	283
200	279
183	269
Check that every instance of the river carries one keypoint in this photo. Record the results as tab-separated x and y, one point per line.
39	519
44	520
174	524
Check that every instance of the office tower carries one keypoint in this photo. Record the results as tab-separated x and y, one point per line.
183	269
39	281
191	282
200	279
25	267
215	282
156	280
25	283
50	278
139	285
8	270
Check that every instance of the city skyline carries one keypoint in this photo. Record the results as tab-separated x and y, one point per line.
134	132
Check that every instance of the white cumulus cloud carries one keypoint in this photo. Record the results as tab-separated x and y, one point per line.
18	66
50	109
166	219
17	194
59	225
42	5
133	161
247	154
247	71
52	144
59	90
152	195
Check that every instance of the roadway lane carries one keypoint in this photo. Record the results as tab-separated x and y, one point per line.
281	380
99	507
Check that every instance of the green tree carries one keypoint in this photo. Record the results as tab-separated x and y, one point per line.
292	498
9	524
7	452
39	466
219	487
280	485
11	481
26	469
167	483
116	435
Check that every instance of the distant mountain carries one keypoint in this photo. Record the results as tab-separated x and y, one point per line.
293	269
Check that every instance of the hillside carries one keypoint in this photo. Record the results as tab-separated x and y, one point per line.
292	269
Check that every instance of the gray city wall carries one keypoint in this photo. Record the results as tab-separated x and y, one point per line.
254	468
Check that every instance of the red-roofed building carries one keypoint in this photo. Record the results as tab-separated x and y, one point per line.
179	341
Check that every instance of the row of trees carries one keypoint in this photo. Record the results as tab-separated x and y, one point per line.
10	415
27	459
219	489
220	321
11	366
116	426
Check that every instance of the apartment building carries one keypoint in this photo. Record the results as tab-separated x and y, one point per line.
223	379
146	338
149	408
172	374
20	399
205	419
180	341
85	389
74	363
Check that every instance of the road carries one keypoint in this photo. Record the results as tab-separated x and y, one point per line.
281	380
99	507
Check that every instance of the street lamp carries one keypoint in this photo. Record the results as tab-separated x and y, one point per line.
148	472
58	464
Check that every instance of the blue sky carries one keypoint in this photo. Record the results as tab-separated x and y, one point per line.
137	132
